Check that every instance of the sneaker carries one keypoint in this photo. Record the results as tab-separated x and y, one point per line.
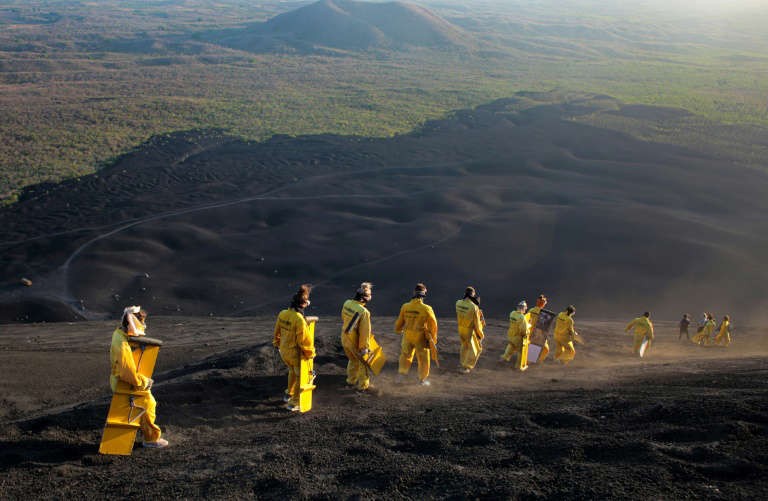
465	370
293	408
425	383
286	398
157	444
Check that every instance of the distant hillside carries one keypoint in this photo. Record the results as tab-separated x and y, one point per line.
516	198
349	25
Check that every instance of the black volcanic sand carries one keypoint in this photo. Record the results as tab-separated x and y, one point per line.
515	198
685	422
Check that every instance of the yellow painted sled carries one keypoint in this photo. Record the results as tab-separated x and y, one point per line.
124	415
375	359
307	372
538	350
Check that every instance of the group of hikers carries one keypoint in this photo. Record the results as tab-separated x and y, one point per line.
527	341
703	336
417	325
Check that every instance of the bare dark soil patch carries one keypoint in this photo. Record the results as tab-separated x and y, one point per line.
684	423
514	201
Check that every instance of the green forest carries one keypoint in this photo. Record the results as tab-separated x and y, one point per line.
84	82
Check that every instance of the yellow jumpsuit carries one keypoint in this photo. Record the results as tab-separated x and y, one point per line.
518	335
564	334
643	329
123	368
355	332
704	336
415	322
470	325
293	338
533	317
724	336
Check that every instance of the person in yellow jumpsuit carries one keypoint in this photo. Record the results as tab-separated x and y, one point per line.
518	335
123	368
355	335
724	335
418	325
564	334
704	335
643	328
533	318
293	339
470	323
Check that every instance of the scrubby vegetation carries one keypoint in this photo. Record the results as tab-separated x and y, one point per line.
82	82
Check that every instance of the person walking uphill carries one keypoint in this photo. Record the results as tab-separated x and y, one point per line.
470	324
518	336
565	333
295	343
123	368
643	329
418	326
355	335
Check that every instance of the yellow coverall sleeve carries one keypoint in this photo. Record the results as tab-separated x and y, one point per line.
127	368
306	346
650	330
364	331
400	322
630	325
430	324
479	323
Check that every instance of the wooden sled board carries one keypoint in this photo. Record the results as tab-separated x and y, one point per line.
306	384
123	422
534	352
524	354
123	418
643	348
307	373
375	359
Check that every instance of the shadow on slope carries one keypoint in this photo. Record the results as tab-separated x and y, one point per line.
516	197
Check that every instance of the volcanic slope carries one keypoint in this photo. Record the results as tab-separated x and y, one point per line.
515	198
684	423
348	25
